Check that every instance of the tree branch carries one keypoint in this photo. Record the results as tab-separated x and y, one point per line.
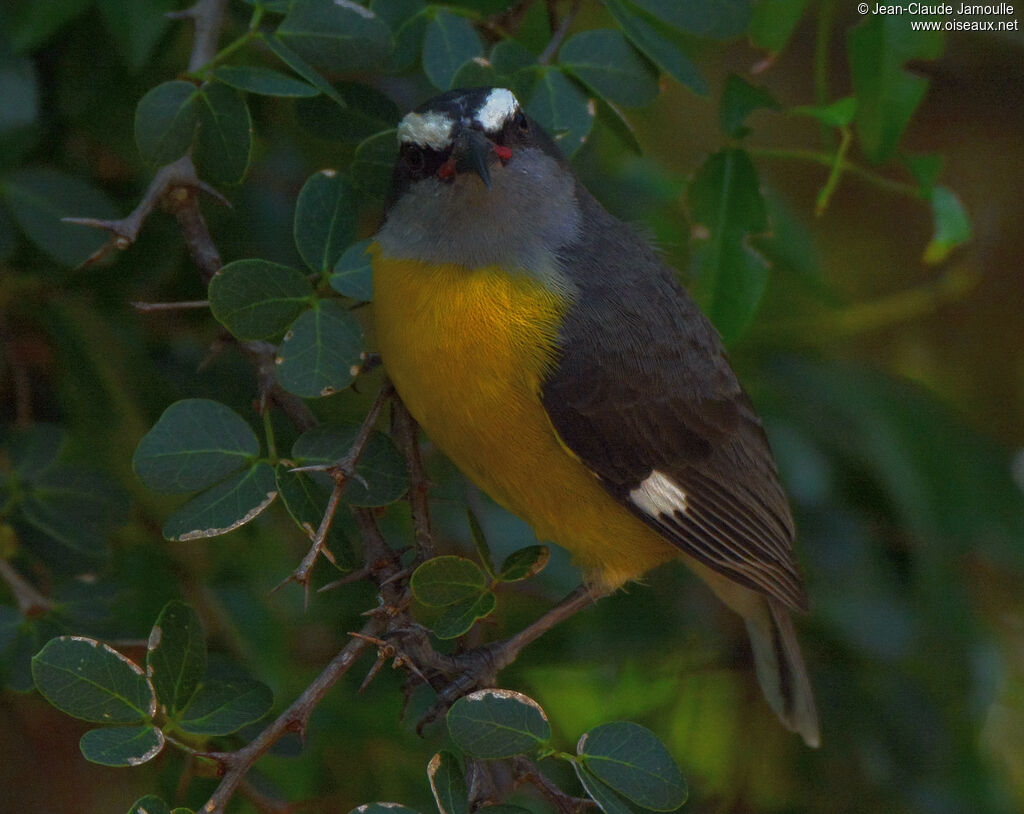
556	39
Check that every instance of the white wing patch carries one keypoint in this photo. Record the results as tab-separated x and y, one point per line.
500	106
658	494
431	129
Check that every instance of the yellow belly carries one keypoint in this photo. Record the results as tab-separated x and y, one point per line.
467	351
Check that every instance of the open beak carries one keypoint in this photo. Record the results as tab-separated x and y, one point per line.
471	152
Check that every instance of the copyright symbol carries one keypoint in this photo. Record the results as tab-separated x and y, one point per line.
862	8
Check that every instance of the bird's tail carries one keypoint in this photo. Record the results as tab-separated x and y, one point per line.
781	671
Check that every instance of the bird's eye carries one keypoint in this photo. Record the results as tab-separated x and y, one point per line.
414	159
521	122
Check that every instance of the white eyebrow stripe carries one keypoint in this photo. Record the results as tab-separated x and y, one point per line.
500	106
431	129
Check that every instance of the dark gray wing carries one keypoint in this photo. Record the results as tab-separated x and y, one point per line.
644	395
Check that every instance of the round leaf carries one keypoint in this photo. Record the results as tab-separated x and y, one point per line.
224	507
321	353
336	37
257	299
165	121
492	724
325	219
603	60
92	681
150	804
224	148
265	81
446	580
381	469
353	273
122	745
176	655
194	444
525	563
450	41
561	108
607	800
630	759
223	707
460	617
448	784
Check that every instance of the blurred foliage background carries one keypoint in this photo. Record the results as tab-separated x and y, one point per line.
880	335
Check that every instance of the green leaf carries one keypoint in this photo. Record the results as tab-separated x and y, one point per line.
460	617
952	225
717	19
367	111
446	580
39	198
223	707
337	37
448	784
165	121
659	49
727	208
450	41
607	800
34	451
90	680
74	508
176	655
561	108
150	804
325	219
524	563
925	169
381	466
257	299
224	507
605	62
476	73
739	100
353	273
264	81
302	68
34	23
122	745
483	550
509	57
407	20
492	724
887	95
136	27
774	21
374	163
224	148
633	762
194	444
321	353
839	113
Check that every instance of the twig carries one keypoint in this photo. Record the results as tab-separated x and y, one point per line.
207	15
170	306
526	771
556	39
180	174
235	765
31	603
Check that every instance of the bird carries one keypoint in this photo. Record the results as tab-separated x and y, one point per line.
546	348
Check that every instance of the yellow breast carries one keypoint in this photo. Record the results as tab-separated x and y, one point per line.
467	351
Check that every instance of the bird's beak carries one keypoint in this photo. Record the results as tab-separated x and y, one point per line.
471	151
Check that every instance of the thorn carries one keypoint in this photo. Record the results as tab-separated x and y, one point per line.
215	194
377	665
